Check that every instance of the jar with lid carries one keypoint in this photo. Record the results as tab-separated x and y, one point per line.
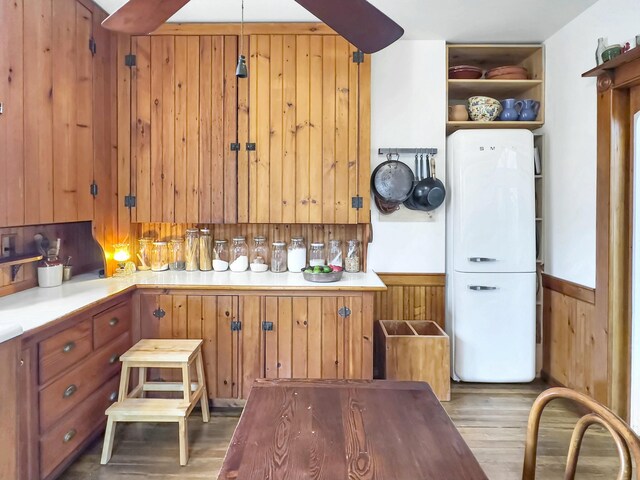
239	259
205	250
221	256
176	254
352	260
334	255
278	257
191	249
159	257
144	253
259	255
297	255
316	254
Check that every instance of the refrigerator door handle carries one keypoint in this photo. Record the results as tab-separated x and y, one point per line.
481	259
481	288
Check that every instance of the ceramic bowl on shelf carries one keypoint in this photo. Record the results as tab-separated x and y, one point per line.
483	109
507	72
464	72
611	52
322	277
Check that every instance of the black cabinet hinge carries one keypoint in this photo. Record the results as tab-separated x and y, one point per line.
93	48
251	147
130	60
93	189
267	326
358	56
130	201
356	202
235	147
236	326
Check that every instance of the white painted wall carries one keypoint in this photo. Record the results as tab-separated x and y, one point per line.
408	103
570	128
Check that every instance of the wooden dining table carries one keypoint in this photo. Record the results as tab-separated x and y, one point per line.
346	429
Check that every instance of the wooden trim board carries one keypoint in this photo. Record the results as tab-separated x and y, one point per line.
570	289
266	28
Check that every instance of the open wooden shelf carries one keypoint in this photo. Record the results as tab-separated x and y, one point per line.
621	59
17	261
463	89
453	126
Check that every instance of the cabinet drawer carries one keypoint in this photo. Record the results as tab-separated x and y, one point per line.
77	384
63	350
111	324
63	439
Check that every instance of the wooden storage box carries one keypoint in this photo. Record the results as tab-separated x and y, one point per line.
416	350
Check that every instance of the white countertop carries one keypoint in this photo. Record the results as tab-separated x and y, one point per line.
30	309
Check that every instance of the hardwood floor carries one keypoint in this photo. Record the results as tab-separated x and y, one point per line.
491	418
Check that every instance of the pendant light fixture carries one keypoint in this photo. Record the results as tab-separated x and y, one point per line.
241	68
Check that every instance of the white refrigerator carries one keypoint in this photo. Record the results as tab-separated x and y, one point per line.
491	255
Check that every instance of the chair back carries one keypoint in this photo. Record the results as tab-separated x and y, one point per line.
626	441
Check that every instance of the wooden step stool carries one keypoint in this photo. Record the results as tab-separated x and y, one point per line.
133	407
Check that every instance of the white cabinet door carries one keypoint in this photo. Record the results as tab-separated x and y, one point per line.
493	201
494	330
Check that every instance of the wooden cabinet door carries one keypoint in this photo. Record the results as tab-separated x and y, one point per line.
307	112
251	349
184	119
208	317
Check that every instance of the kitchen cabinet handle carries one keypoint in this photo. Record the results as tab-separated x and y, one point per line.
481	259
114	358
69	435
114	321
113	397
481	288
68	347
70	390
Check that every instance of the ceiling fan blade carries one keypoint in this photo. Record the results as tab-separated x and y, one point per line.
140	17
358	21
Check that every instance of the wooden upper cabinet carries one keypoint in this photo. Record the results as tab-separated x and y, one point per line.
184	117
308	117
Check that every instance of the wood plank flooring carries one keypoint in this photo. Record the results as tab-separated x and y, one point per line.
491	418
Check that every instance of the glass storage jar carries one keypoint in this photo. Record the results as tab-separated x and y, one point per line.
334	255
144	253
221	256
239	259
259	255
316	254
278	257
352	259
176	254
297	255
159	257
205	250
191	247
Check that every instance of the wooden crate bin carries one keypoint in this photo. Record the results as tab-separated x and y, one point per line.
415	350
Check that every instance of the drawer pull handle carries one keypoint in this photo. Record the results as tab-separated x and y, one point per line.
68	347
114	321
70	390
69	435
114	358
113	397
481	288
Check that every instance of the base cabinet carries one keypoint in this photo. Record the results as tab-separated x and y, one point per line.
249	336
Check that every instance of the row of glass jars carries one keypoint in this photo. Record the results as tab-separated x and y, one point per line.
197	251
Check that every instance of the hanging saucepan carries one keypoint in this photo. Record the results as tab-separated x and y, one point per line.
409	201
385	207
392	181
429	193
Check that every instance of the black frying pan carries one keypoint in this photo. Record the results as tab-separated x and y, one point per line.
392	181
429	192
409	203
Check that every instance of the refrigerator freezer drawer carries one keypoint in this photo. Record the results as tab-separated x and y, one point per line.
494	327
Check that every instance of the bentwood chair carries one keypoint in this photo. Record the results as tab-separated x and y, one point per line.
627	443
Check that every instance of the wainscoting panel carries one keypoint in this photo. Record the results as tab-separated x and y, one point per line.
411	296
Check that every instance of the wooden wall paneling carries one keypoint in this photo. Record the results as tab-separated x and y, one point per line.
210	343
192	187
167	172
157	100
252	157
243	138
217	131
284	333
250	28
251	348
38	110
332	366
316	128
353	339
179	158
230	129
315	330
261	110
328	129
271	314
145	111
300	337
353	107
276	135
126	128
364	138
227	345
304	126
205	139
289	129
342	130
11	122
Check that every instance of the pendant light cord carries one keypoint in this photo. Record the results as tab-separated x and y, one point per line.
241	26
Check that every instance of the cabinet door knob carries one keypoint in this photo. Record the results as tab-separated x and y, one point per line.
114	321
113	397
70	390
69	435
68	347
114	358
159	313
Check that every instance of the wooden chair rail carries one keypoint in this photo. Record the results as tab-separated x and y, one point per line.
627	443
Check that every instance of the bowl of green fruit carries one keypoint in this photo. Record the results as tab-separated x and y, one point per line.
322	274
